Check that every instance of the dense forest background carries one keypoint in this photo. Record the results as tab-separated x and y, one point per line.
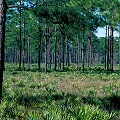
59	33
52	64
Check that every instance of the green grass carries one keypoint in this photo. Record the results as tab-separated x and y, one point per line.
72	95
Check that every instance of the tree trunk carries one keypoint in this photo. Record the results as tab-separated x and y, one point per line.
59	53
110	60
119	47
90	51
3	8
78	39
24	43
67	52
48	50
108	54
106	48
28	53
112	48
55	49
83	53
20	37
63	44
39	48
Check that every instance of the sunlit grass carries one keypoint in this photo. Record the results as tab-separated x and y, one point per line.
71	95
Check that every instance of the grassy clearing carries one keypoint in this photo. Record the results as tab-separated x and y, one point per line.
72	95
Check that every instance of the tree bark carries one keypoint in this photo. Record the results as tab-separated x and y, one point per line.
89	50
106	48
63	53
108	54
83	53
119	47
67	52
3	9
28	53
55	49
20	61
24	43
39	48
112	48
78	39
48	50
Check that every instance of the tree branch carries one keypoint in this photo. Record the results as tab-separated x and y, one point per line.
17	6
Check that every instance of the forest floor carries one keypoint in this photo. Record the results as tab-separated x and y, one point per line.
61	95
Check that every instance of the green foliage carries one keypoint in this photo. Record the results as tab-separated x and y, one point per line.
60	95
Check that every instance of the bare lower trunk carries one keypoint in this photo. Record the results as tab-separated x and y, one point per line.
106	49
3	9
83	53
48	50
20	61
24	43
28	53
78	38
63	54
110	56
67	52
90	54
39	48
112	47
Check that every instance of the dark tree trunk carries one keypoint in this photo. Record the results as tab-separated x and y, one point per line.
90	51
48	50
29	53
24	43
39	48
3	8
78	38
55	54
110	56
63	44
55	49
112	48
83	53
119	47
67	52
106	48
108	53
59	53
20	61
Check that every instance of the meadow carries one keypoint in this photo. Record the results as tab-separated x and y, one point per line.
60	95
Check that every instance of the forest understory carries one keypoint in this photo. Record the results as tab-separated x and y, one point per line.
58	95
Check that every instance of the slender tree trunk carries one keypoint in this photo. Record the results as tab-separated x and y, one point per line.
24	43
83	53
112	49
110	60
39	48
90	51
78	39
48	50
55	49
63	44
20	61
59	53
106	48
3	8
28	53
13	55
16	56
119	47
108	54
67	52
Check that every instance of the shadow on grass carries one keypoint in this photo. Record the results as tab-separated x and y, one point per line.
110	103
